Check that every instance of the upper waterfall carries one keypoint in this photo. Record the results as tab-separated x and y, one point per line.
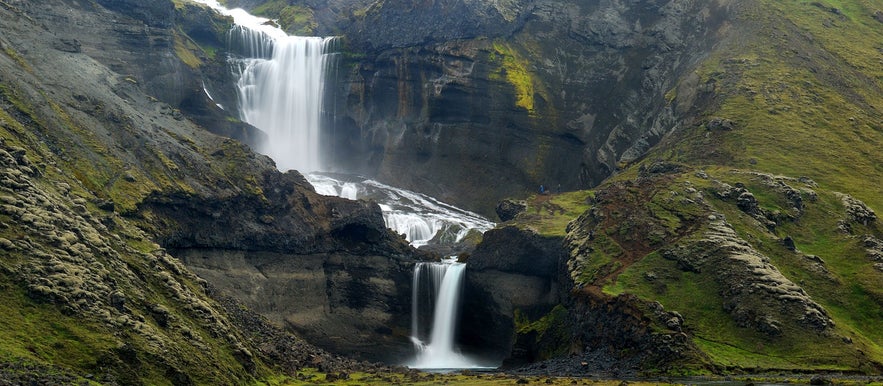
280	88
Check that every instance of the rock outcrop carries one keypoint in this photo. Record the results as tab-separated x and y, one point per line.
511	272
755	293
158	48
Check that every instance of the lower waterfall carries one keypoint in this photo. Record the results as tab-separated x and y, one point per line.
439	285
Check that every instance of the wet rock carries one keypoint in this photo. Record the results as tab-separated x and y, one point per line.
511	269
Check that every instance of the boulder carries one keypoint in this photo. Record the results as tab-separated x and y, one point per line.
508	209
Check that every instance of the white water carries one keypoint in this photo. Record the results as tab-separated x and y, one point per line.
419	217
443	281
280	87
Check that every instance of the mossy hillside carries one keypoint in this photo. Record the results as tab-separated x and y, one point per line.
551	331
87	303
295	19
104	298
805	95
548	215
83	155
696	295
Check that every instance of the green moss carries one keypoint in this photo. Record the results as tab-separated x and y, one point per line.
600	263
514	69
551	332
185	48
14	55
548	215
39	333
294	19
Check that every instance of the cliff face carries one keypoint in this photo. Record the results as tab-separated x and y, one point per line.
520	93
104	174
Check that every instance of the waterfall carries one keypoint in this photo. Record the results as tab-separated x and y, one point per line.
442	283
280	87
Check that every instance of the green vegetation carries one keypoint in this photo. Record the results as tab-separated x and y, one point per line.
552	331
514	69
314	377
806	95
14	55
294	19
846	288
39	333
549	215
185	49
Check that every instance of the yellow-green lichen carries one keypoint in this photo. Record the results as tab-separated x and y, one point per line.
185	48
514	69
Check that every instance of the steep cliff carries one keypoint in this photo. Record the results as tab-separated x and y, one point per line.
520	93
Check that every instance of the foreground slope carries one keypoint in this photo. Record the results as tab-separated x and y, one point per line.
99	178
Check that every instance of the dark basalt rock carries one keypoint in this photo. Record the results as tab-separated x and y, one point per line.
342	281
155	13
508	209
434	92
511	269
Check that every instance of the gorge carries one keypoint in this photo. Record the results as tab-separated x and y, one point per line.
717	163
280	82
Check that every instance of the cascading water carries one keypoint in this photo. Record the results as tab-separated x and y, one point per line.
283	75
419	217
441	283
280	86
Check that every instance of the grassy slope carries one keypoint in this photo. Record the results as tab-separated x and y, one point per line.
805	94
850	291
802	82
806	91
